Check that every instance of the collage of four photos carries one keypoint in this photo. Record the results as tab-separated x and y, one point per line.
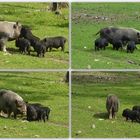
69	70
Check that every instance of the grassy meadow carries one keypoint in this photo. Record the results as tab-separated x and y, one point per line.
89	114
87	20
43	24
49	89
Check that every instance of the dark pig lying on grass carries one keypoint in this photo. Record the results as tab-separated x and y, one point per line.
23	45
112	105
11	102
133	115
131	46
37	112
100	43
55	42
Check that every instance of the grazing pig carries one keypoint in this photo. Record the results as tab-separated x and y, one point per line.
131	46
137	108
26	33
54	42
112	105
117	44
11	102
120	33
133	115
8	31
100	43
31	113
47	111
23	45
41	114
40	48
37	112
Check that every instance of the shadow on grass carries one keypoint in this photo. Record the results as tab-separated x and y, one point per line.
102	115
13	50
64	25
16	51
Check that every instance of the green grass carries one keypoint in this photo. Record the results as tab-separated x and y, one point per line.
91	89
85	26
47	88
43	23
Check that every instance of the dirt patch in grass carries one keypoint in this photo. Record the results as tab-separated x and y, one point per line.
101	77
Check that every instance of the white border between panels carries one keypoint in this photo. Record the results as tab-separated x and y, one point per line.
70	99
70	1
33	70
106	70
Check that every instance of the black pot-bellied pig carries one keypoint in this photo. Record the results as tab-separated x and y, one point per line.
37	112
47	112
131	46
112	105
46	109
133	115
55	42
11	102
120	33
31	113
23	45
8	31
40	48
26	33
117	44
100	43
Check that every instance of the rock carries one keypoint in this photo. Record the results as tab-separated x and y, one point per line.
5	127
93	126
89	67
112	121
78	132
96	60
37	136
24	121
131	62
100	119
89	107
